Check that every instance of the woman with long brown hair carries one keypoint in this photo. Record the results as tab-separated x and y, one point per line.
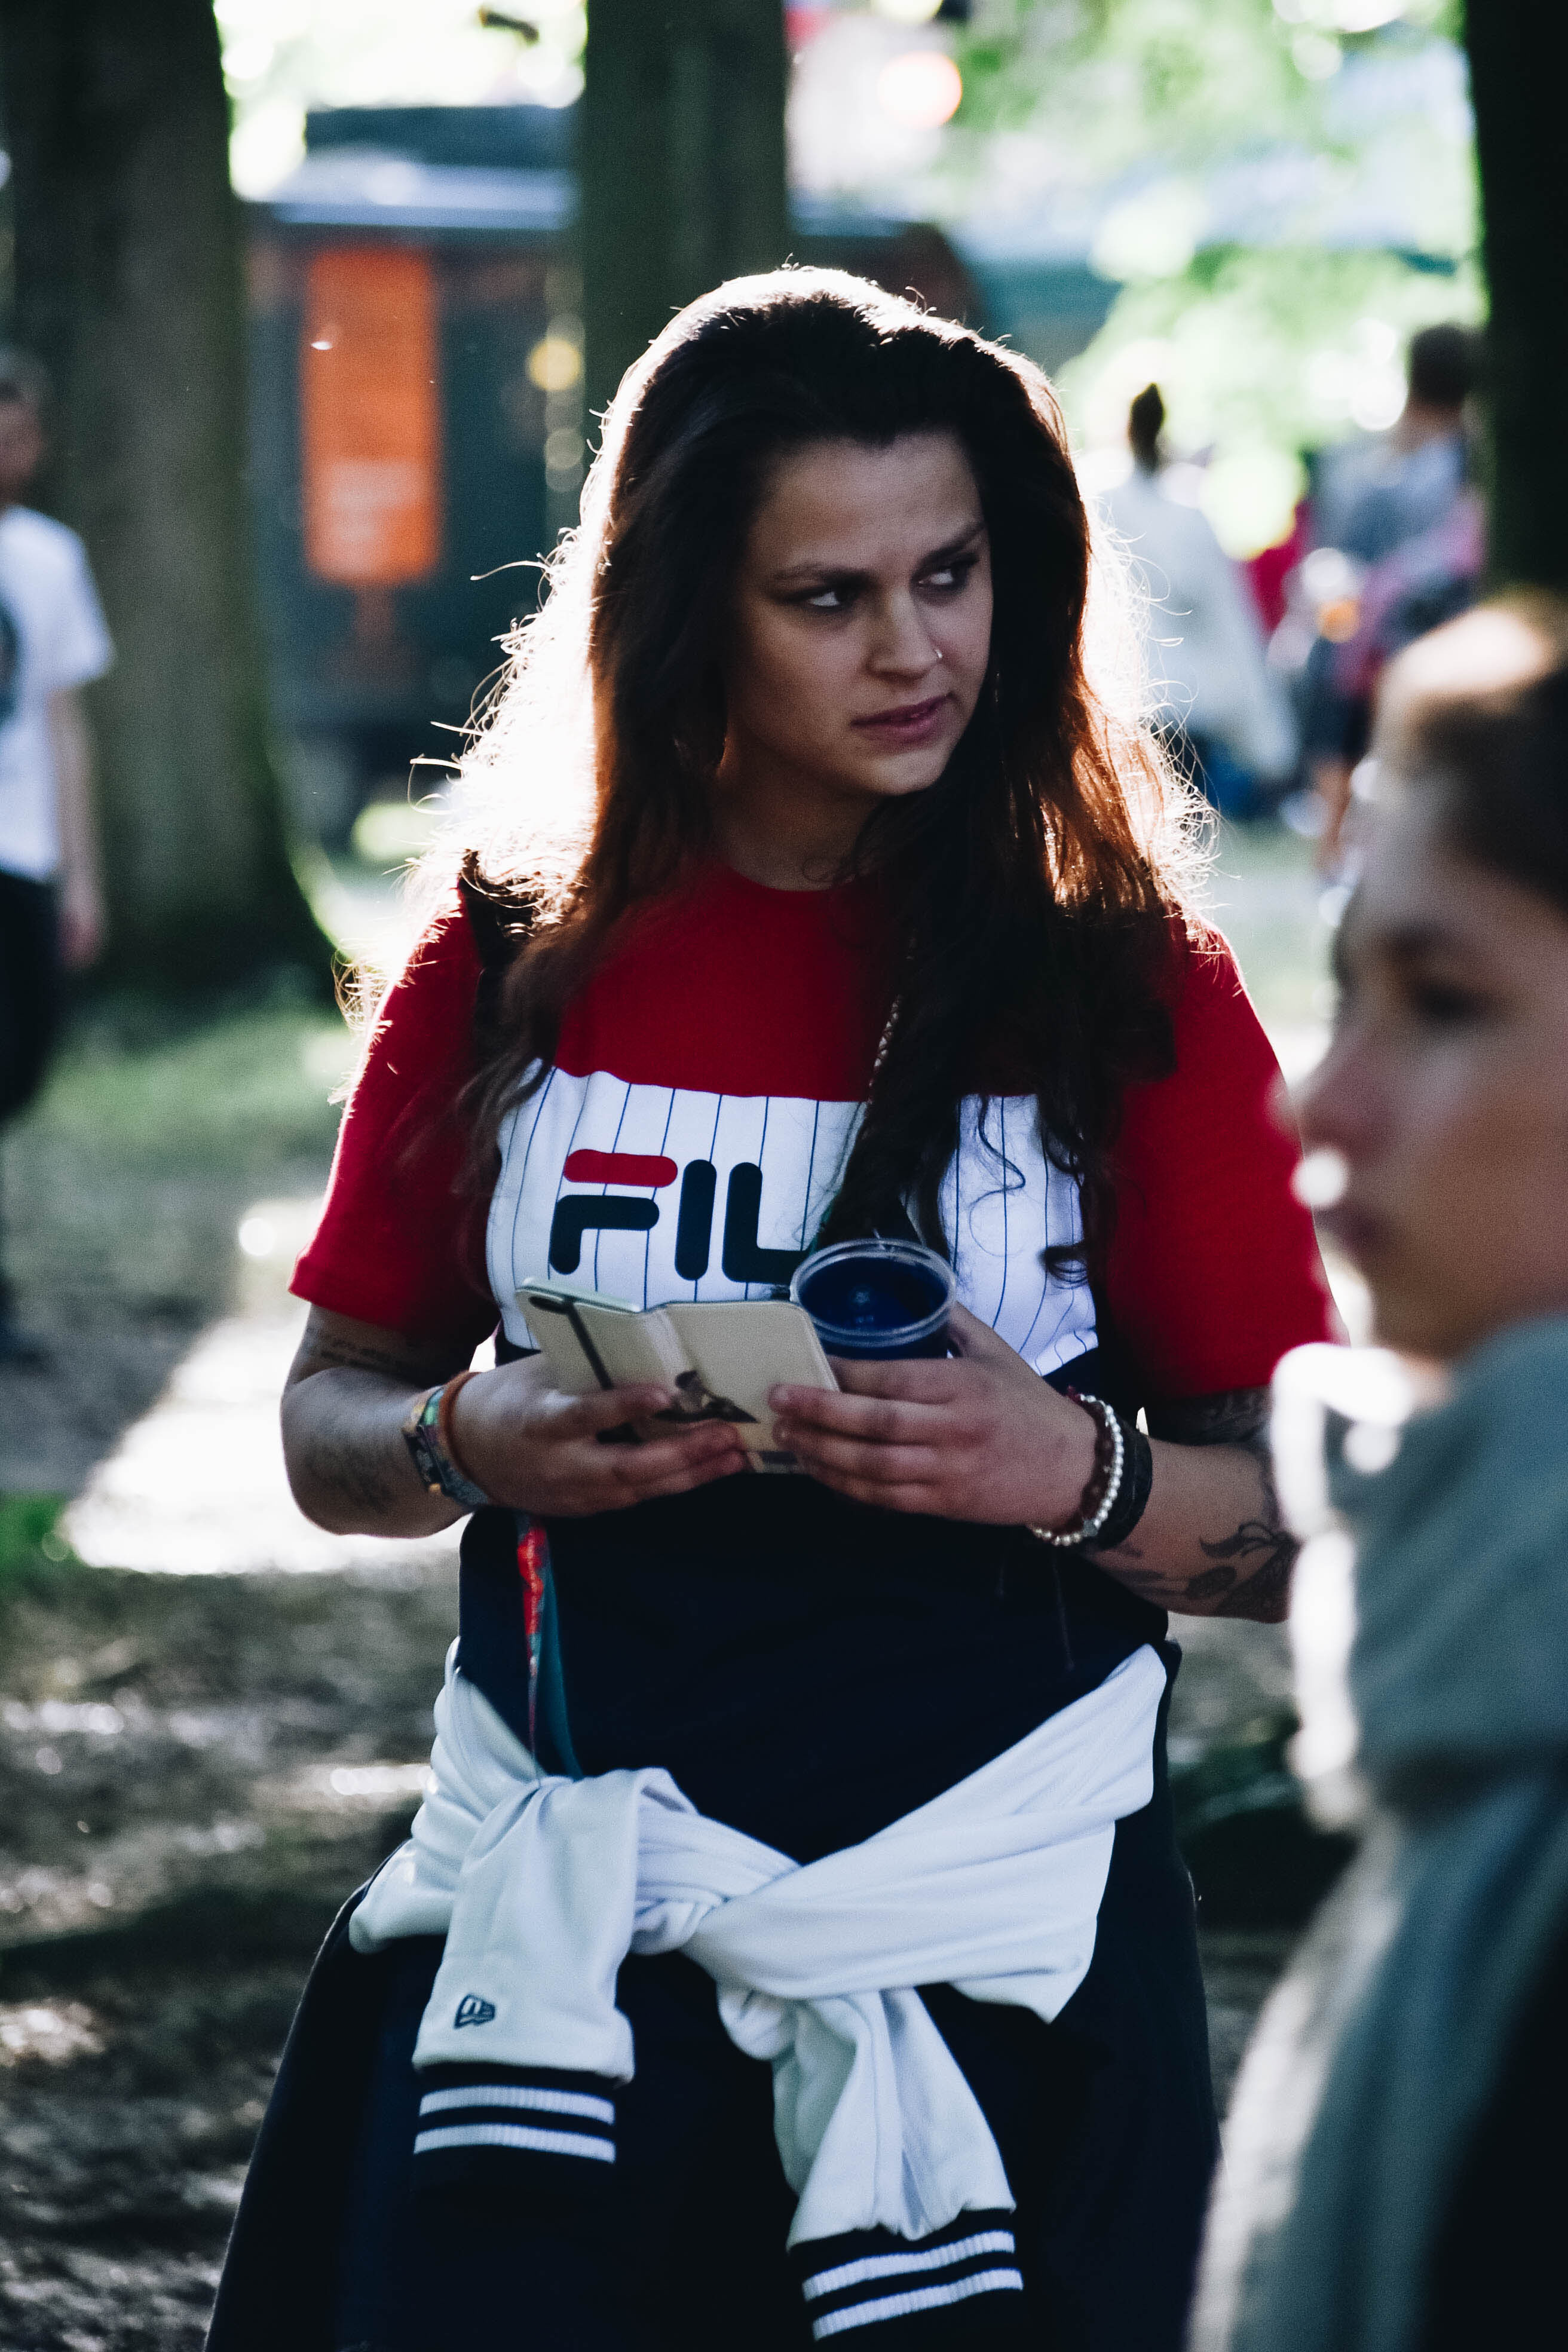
819	883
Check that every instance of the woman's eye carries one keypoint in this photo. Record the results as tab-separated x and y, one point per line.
828	600
951	576
1440	1004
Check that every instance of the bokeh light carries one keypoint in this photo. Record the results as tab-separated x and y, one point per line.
920	89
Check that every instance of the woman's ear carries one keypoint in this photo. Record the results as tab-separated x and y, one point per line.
698	728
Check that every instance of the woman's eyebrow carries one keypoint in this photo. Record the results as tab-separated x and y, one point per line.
847	572
1402	942
1413	941
953	549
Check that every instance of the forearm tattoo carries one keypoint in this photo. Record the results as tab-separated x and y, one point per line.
1247	1570
345	1444
339	1465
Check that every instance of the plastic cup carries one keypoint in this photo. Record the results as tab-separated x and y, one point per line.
875	1301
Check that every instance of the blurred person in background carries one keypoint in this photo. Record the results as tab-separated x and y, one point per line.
53	640
1395	2180
1214	697
1407	526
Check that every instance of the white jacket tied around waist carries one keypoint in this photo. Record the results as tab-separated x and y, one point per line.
543	1886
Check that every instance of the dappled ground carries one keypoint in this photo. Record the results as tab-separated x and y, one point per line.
195	1770
194	1773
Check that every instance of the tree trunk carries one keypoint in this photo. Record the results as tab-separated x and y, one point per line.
129	288
682	162
1518	70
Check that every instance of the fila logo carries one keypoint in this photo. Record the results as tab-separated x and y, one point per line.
648	1192
741	1258
472	2010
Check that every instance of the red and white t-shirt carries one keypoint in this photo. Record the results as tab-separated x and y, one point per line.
807	1668
704	1096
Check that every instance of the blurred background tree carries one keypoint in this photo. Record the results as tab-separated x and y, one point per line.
127	286
1519	65
682	163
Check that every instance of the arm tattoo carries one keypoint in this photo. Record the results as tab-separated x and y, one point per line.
341	1437
343	1467
1234	1417
1248	1570
323	1353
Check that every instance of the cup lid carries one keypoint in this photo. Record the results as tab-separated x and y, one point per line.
913	1255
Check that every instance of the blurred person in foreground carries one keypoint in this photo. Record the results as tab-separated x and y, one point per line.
1215	700
1395	2180
1406	515
52	642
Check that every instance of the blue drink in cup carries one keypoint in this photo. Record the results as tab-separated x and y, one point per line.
877	1300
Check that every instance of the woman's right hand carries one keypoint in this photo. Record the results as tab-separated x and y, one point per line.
528	1446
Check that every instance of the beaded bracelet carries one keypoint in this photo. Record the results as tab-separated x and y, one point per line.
1100	1495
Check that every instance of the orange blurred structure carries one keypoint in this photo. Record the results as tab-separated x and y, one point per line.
369	412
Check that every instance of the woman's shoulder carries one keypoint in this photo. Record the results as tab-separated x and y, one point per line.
418	1045
1212	1270
440	971
1215	1027
1218	1076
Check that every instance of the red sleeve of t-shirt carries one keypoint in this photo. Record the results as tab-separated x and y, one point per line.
1212	1270
401	1241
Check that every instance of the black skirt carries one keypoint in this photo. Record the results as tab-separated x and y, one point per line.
1104	2120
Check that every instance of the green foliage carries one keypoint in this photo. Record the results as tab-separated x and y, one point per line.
1261	355
29	1541
1137	109
1110	82
150	1092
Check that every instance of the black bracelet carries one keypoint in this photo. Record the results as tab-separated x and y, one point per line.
1133	1501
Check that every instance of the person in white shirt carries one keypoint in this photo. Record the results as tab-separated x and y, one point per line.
53	640
1210	684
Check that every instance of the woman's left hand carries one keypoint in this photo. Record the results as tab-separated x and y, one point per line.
978	1435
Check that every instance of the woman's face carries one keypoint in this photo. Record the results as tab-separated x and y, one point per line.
1445	1091
862	623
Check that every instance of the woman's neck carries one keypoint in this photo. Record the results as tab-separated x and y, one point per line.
781	828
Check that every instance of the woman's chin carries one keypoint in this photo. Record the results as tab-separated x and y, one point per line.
1436	1330
898	775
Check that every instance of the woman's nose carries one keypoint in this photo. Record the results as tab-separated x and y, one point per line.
903	646
1336	1107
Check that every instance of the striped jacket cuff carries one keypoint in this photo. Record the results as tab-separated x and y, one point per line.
529	2126
961	2287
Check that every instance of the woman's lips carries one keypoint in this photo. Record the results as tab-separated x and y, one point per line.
911	723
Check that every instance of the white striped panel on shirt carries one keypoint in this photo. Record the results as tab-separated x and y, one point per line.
920	2298
518	2095
548	2143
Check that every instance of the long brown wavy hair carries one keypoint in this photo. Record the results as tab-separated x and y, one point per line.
1031	891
